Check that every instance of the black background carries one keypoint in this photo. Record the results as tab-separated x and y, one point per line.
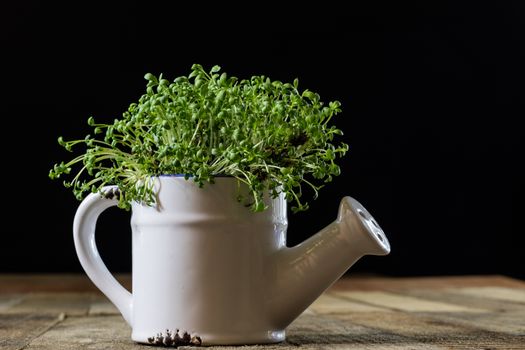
432	95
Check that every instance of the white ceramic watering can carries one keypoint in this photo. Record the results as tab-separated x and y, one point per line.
207	270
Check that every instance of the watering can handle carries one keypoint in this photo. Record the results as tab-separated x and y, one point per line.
84	235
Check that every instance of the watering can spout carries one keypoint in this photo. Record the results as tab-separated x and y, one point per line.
306	270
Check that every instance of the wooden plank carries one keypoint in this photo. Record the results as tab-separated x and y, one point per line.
378	283
308	332
403	302
16	331
102	306
9	300
455	296
53	303
384	330
503	318
407	324
328	332
101	332
509	323
500	293
439	329
333	304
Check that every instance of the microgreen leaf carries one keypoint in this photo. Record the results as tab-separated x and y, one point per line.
268	135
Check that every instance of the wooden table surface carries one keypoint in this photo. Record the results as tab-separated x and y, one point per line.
469	312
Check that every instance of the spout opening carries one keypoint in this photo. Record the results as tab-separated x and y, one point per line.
368	225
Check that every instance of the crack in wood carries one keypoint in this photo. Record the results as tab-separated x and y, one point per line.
60	318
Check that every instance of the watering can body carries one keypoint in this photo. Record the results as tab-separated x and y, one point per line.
208	271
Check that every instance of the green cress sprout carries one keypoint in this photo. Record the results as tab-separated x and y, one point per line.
266	134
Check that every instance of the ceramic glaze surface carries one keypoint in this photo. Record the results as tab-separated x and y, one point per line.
205	264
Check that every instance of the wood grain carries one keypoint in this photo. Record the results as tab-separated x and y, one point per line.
364	312
403	302
72	304
17	331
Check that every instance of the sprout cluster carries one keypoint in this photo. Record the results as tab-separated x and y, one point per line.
267	134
